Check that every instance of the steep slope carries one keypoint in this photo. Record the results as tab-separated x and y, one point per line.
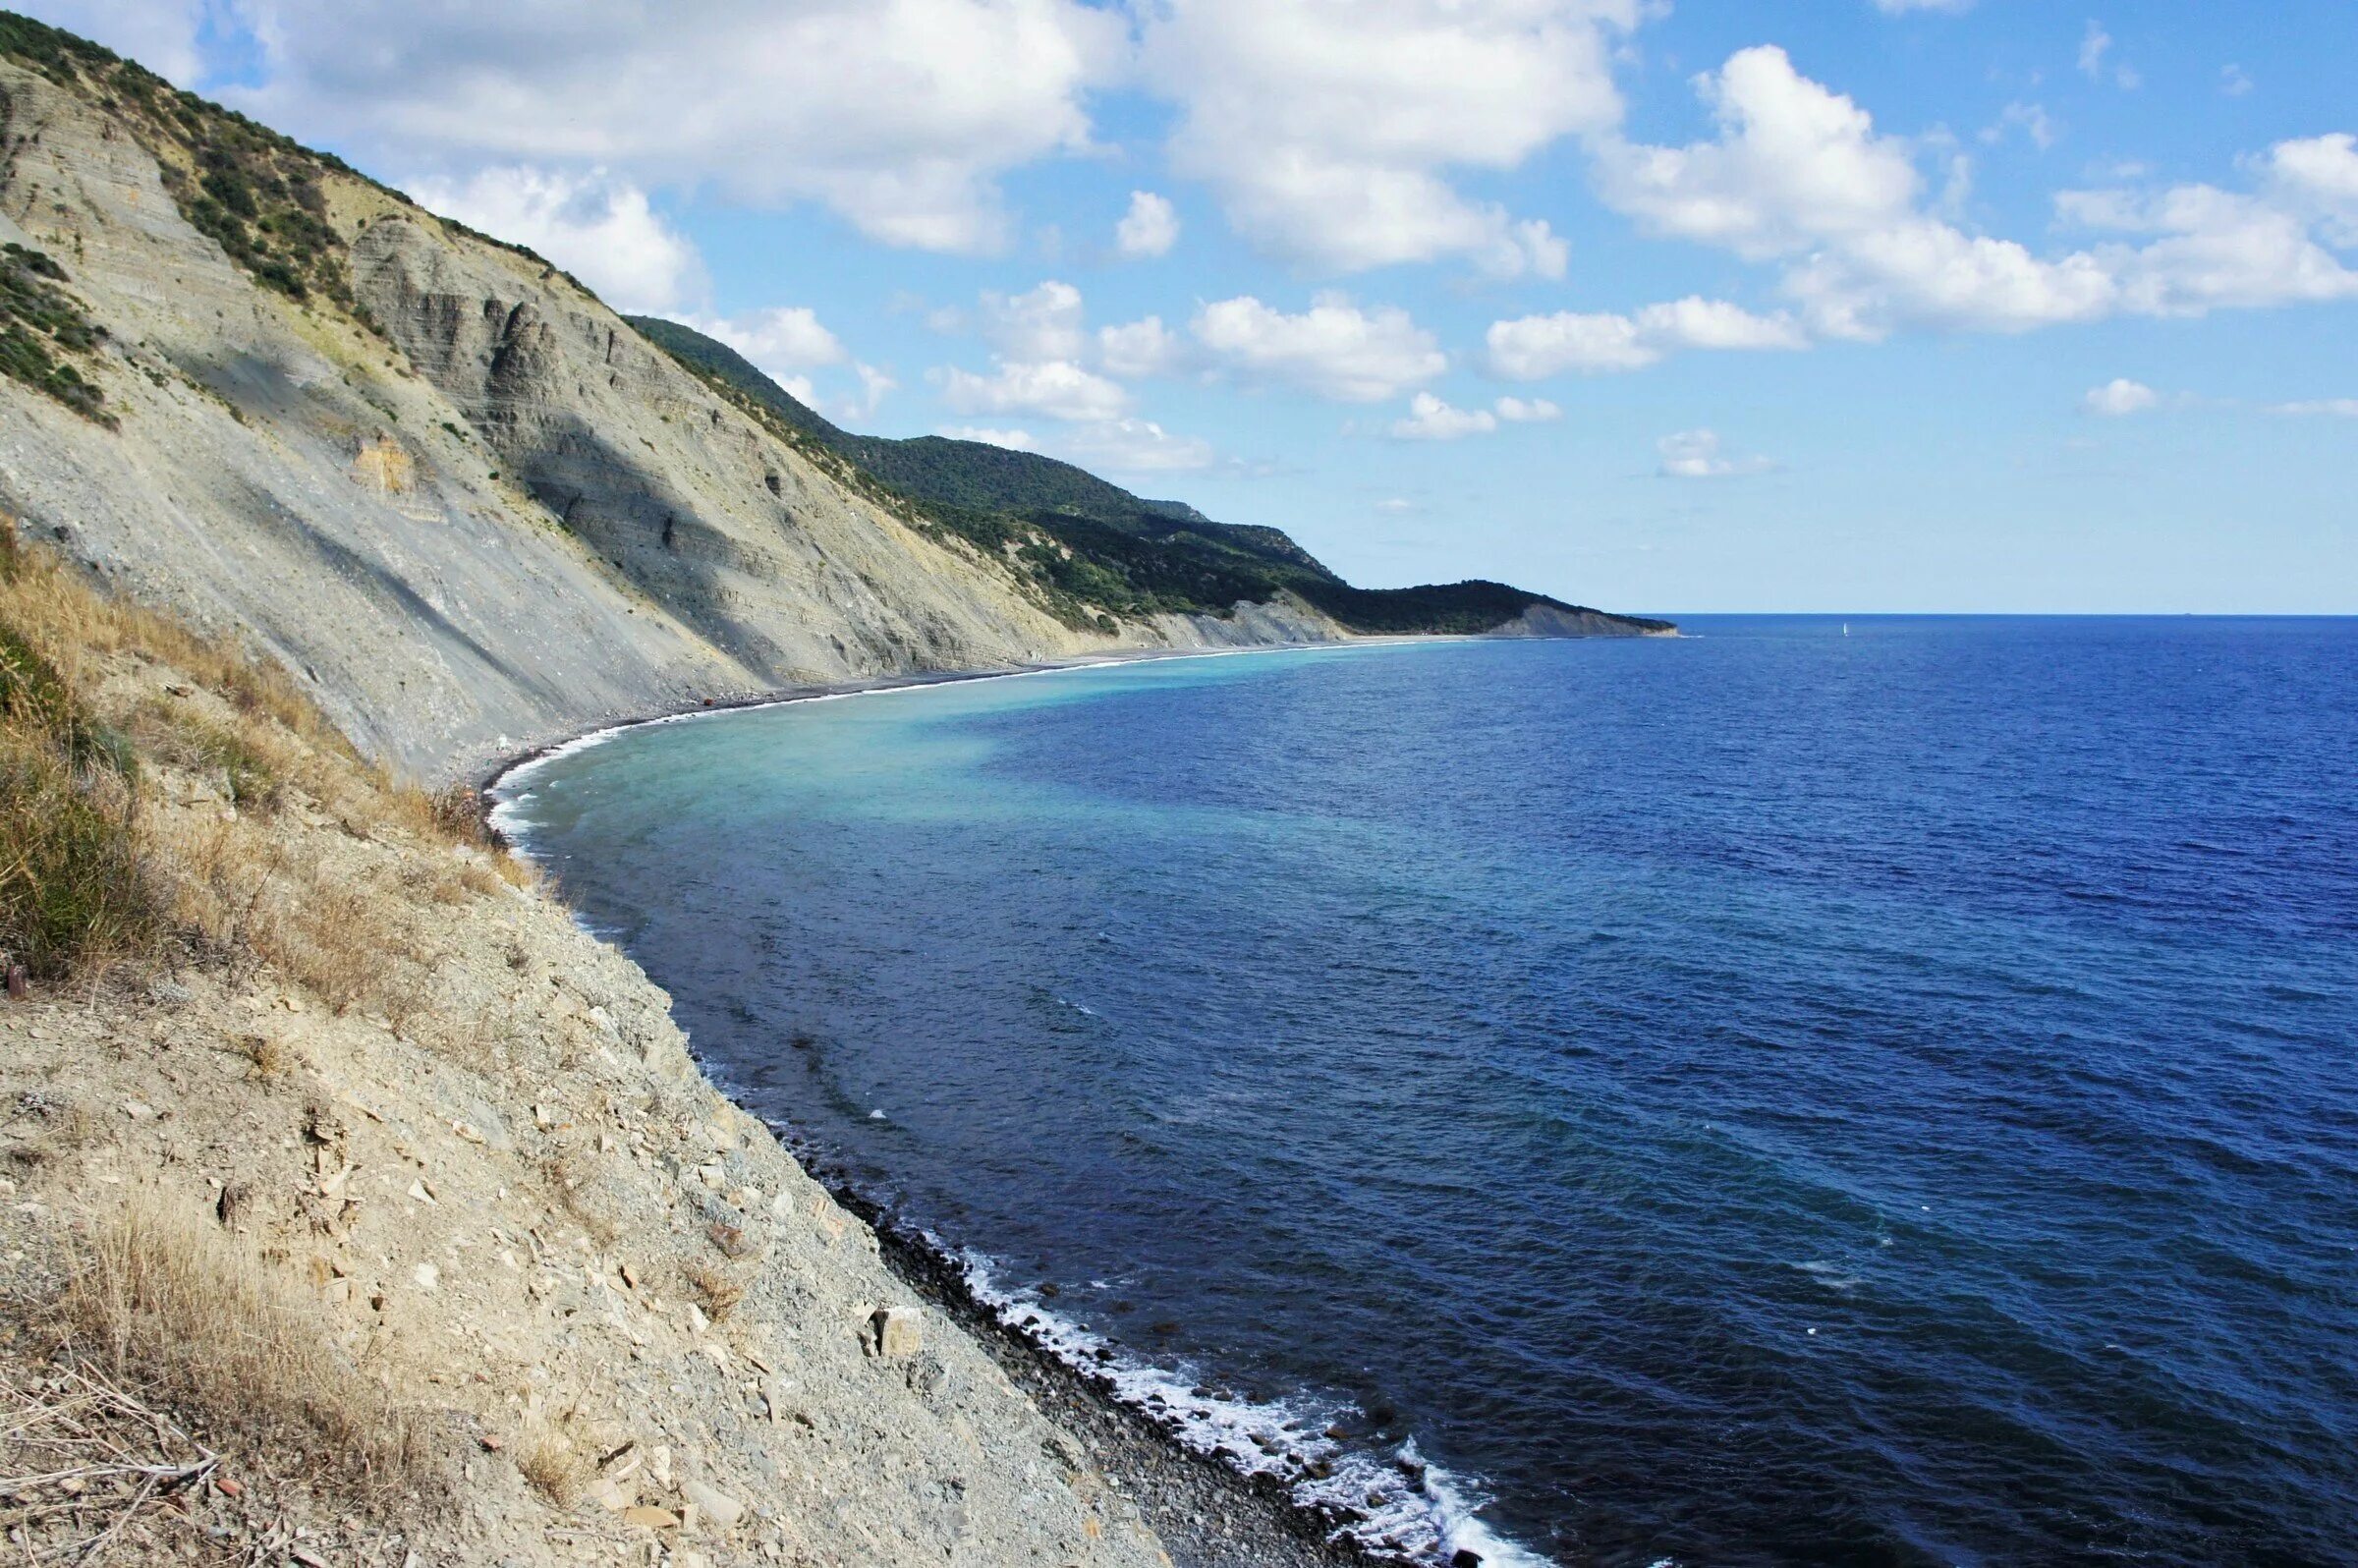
473	508
469	504
933	468
1095	542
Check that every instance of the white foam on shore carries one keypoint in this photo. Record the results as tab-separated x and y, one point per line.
1403	1508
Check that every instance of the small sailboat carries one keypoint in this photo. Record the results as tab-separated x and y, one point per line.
1847	629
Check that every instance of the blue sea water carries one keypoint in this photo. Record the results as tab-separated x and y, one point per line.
1775	1096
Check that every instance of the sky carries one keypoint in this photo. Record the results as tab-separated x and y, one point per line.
1978	306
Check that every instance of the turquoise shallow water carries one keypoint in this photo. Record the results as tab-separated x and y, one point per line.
1768	1097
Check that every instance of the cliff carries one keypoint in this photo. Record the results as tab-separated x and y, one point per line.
471	506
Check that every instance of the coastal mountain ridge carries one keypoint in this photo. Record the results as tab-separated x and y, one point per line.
1095	543
475	510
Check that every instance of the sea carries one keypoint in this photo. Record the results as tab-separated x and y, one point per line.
1809	1091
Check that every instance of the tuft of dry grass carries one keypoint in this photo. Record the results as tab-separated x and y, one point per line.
566	1174
271	1056
173	1308
715	1291
549	1460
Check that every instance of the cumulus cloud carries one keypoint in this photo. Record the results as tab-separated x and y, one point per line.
1794	164
1150	228
1334	349
1043	324
2118	397
1798	175
1430	419
1698	455
1135	446
789	342
1330	132
1056	388
1013	440
787	338
2318	176
897	113
1533	348
598	227
1125	446
1141	347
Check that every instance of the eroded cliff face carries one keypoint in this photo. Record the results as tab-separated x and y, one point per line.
505	519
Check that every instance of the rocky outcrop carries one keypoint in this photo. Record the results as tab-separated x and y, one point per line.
1548	620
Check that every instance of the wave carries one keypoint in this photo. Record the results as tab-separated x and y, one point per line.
1397	1505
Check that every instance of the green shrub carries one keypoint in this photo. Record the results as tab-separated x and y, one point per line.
74	886
40	326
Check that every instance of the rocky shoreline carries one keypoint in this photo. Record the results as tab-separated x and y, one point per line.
1206	1512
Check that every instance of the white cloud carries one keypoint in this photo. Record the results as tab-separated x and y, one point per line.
2030	119
1150	228
2331	408
1013	440
2095	45
1793	165
2233	81
1535	347
1697	454
897	113
2318	176
598	227
788	342
1799	174
2118	397
780	341
1329	130
1141	347
1397	504
1430	419
1043	324
1135	446
1527	411
1125	446
875	386
1056	388
1334	349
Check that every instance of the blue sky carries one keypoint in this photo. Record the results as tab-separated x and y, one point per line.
1842	305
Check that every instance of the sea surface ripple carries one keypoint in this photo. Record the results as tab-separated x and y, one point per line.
1792	1094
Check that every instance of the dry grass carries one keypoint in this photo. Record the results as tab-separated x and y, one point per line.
245	895
566	1175
271	1056
93	870
717	1292
166	1303
549	1459
90	1473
